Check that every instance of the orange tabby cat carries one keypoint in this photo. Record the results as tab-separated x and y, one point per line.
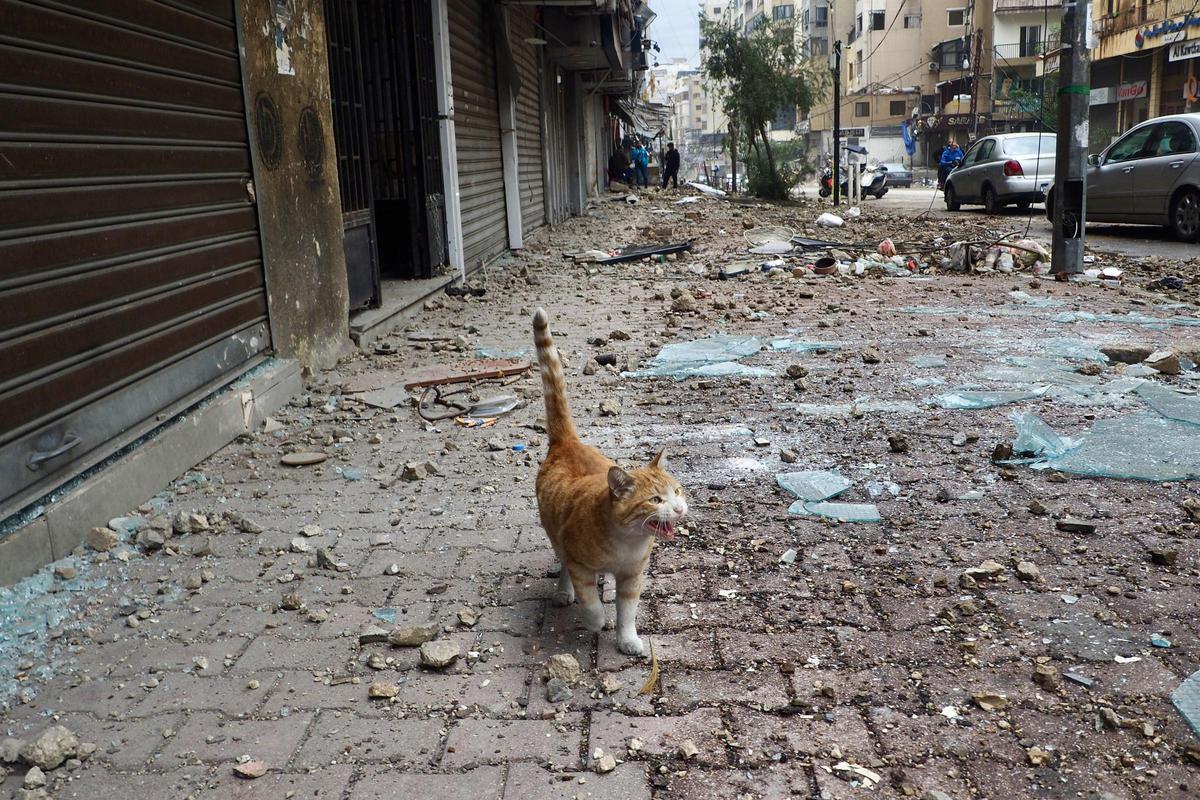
599	517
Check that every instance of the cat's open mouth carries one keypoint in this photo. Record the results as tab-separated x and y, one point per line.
662	527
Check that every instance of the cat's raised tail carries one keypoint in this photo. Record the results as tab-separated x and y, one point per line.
558	413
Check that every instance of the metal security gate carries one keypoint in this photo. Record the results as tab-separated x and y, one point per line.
522	21
353	162
130	270
554	116
477	131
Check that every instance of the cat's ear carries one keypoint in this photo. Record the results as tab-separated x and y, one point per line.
619	482
660	460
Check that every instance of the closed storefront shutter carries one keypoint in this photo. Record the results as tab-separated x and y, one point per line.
130	269
477	131
529	116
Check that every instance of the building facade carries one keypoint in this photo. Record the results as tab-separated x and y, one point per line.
196	196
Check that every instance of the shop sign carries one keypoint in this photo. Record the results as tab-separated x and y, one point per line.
1167	28
943	122
1131	91
1102	96
1181	51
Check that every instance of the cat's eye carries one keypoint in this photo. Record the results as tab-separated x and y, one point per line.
656	499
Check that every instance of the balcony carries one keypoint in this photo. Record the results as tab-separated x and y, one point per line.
1018	53
1142	13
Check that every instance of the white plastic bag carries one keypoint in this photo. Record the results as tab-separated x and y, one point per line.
828	220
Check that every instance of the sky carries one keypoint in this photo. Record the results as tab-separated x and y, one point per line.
677	30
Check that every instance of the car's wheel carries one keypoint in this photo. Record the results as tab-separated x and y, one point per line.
1050	206
991	203
1185	216
952	203
1024	205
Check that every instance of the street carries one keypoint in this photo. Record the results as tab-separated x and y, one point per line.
999	630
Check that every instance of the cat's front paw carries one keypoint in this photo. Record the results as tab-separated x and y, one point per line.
593	618
563	598
630	645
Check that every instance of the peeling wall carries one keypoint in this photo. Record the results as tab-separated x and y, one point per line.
286	76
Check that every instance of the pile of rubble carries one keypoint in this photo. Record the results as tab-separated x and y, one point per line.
40	758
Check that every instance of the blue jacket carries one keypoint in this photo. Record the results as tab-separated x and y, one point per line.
640	157
950	155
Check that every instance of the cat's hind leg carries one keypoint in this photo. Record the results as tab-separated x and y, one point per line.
564	593
588	593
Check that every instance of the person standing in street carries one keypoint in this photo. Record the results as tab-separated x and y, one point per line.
671	166
641	165
951	155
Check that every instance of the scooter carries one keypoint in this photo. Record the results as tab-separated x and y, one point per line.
873	181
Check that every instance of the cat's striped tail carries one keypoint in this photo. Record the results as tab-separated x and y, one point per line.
554	387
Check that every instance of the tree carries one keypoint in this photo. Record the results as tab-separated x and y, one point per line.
753	77
1042	105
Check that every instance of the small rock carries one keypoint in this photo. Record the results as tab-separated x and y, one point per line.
684	302
439	654
193	582
150	540
1037	756
557	691
1037	508
291	602
326	561
302	459
1164	361
606	763
688	750
870	356
311	531
242	522
377	661
1046	676
589	368
610	685
412	472
787	456
496	446
1002	452
250	769
1192	506
1127	353
65	572
1028	571
101	539
10	750
565	667
382	690
988	569
610	407
1164	556
897	443
468	617
1073	525
35	778
372	634
412	636
1090	368
797	371
990	701
391	569
186	522
299	545
204	548
52	748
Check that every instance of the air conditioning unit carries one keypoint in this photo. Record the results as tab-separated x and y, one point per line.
934	66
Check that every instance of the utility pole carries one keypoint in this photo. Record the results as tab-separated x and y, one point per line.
1070	167
836	60
976	67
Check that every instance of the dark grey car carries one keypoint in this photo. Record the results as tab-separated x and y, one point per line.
899	176
1150	176
1002	170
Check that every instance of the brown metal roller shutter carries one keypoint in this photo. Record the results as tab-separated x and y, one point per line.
130	269
477	131
529	117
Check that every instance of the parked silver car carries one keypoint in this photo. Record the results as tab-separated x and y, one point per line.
1150	176
1001	170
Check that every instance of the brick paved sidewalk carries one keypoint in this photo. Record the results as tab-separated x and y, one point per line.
861	661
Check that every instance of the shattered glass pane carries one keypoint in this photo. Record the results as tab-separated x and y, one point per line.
790	346
846	409
1036	302
845	512
974	400
1036	438
1186	700
813	485
928	362
1074	348
711	357
1139	446
1170	403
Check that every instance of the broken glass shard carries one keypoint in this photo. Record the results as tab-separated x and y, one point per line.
715	356
813	485
1186	700
975	400
928	362
1170	403
1036	438
792	346
1026	298
844	512
1138	446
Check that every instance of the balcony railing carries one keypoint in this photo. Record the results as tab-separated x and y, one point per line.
1140	14
1019	50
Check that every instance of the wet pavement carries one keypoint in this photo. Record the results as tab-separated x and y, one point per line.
797	656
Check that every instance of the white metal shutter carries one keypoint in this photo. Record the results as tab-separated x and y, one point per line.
529	116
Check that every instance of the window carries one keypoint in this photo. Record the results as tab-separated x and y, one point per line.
821	16
1031	41
1131	147
858	25
716	10
862	109
956	17
897	108
783	12
912	20
878	20
818	47
1174	138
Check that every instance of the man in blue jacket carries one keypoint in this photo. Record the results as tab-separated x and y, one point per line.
951	154
641	164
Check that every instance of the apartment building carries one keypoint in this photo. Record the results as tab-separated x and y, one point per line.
1143	64
1023	31
907	62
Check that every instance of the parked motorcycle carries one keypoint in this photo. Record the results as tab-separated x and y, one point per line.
873	181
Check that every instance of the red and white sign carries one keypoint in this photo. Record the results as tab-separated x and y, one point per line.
1131	91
